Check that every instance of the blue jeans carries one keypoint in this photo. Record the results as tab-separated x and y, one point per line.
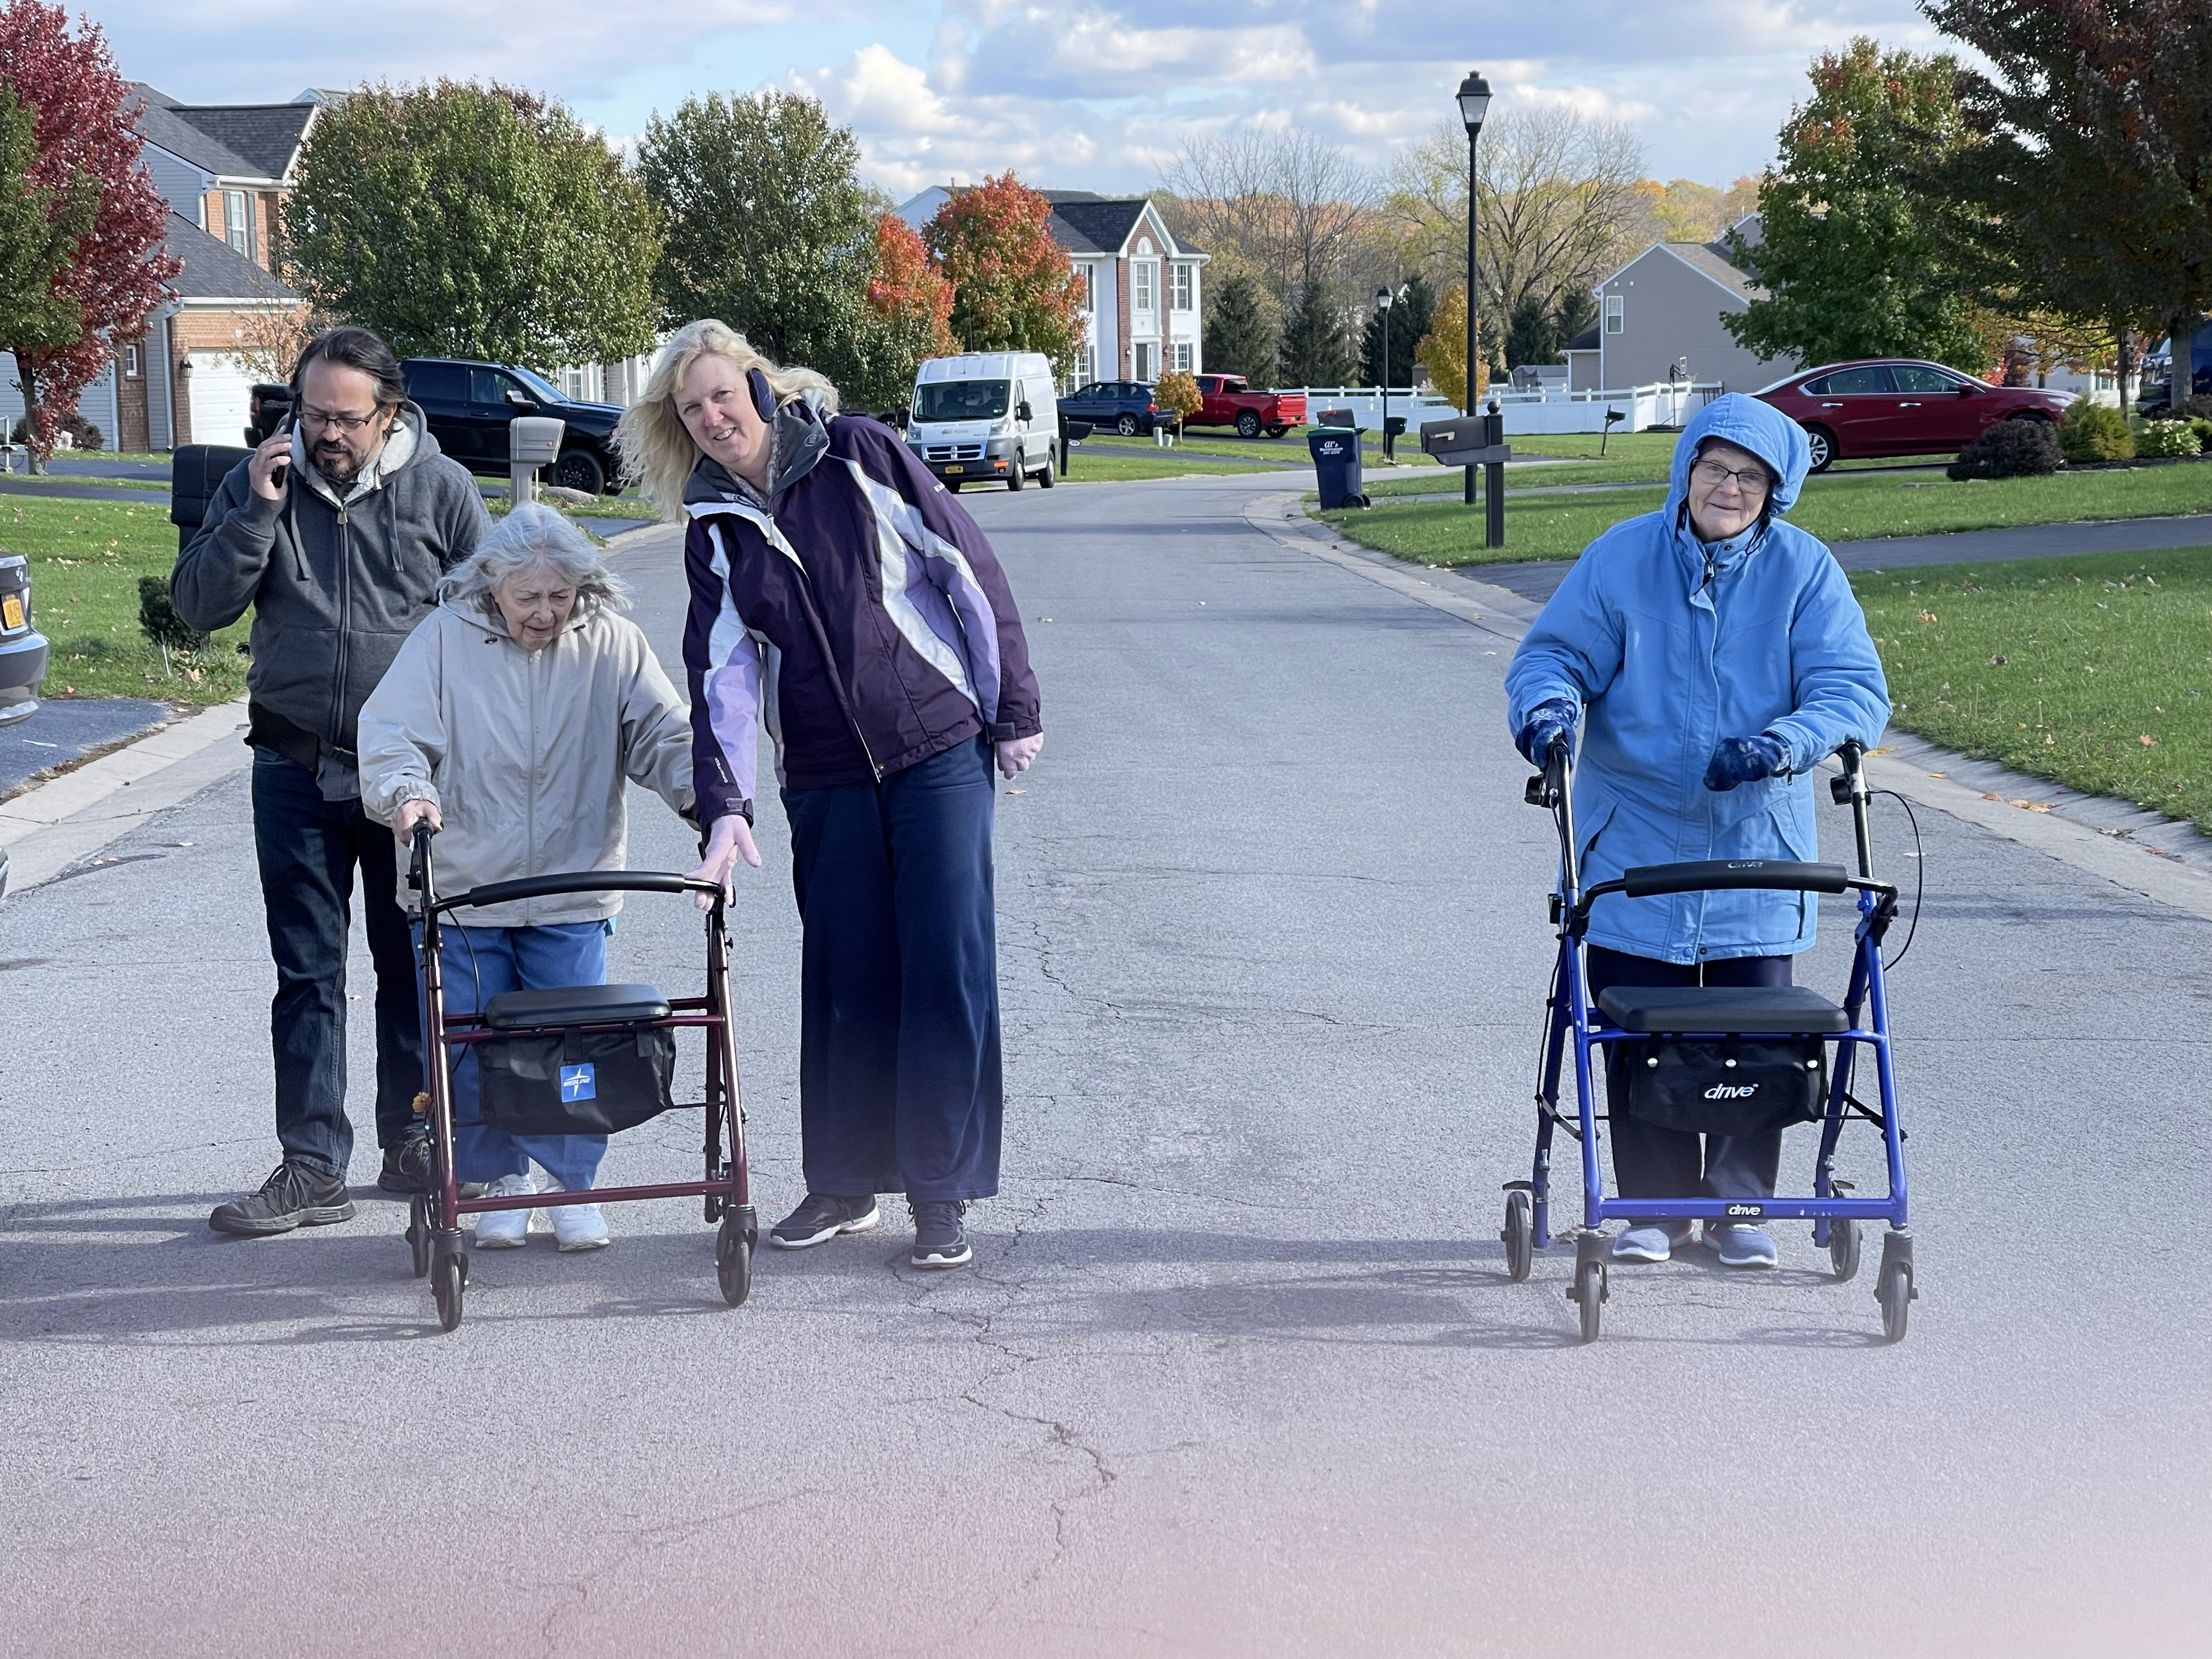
307	849
479	963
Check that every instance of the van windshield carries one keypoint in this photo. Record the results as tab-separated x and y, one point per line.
961	400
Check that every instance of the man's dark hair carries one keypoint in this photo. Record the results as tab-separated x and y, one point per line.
355	348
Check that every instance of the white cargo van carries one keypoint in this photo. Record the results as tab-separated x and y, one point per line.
986	416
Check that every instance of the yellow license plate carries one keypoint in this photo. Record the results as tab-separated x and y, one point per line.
11	610
955	469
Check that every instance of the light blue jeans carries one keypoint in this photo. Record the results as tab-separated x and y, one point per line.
479	963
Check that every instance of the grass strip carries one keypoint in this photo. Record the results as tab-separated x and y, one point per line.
2094	672
1835	507
86	558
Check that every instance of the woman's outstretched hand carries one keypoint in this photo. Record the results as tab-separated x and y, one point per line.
412	812
1014	757
730	838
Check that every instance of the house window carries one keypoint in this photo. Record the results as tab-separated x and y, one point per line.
1144	299
1091	288
237	221
1179	294
1183	357
131	362
1616	313
1145	356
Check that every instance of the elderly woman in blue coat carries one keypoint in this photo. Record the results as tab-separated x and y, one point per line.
1711	654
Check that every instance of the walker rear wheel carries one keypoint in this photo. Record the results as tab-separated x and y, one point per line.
418	1232
733	1262
1520	1235
1844	1249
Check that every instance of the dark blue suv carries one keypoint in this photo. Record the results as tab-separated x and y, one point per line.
1123	406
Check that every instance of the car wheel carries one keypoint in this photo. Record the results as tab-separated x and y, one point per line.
2032	416
952	486
1050	476
1125	425
1016	477
1823	445
1247	425
579	469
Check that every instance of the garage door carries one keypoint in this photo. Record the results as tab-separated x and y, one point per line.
221	385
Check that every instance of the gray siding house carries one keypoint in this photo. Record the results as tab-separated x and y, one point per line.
1659	318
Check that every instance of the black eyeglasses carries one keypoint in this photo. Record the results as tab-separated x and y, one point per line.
1751	480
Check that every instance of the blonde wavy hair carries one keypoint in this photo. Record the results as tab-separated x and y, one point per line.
656	450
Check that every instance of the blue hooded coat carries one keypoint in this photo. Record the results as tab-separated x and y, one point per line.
1668	645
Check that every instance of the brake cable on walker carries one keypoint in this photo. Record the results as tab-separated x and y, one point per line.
1919	875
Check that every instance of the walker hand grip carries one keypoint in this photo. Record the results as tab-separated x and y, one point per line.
1714	875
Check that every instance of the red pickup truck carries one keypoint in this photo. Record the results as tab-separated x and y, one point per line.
1230	402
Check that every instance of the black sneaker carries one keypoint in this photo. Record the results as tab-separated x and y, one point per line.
939	1240
820	1218
296	1196
406	1166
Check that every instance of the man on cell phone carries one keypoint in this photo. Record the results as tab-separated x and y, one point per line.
336	530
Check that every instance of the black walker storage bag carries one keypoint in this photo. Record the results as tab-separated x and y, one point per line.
1726	1086
577	1082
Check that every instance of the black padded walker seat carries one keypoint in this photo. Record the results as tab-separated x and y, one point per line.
575	1004
1774	1010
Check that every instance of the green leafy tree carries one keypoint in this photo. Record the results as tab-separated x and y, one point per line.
2091	196
473	221
1412	315
1314	349
1239	339
1530	334
1576	309
1849	252
769	228
40	229
1013	288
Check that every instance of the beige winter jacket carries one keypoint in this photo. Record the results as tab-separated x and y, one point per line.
526	753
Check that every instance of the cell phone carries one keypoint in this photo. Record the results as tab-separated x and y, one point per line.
281	474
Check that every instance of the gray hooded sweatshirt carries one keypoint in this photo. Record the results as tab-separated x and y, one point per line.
336	585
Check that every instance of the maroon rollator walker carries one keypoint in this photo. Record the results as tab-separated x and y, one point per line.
584	1059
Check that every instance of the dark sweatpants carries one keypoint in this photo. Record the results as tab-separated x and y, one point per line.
898	1047
1648	1162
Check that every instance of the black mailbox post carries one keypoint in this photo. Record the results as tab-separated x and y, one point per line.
1472	440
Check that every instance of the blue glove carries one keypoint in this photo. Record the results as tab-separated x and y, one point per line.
1552	718
1745	760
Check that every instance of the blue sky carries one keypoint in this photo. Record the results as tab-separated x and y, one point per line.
1074	93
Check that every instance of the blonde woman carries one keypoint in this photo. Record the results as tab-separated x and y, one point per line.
512	722
837	589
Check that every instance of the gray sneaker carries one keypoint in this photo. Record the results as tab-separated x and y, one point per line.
1741	1246
1653	1242
939	1240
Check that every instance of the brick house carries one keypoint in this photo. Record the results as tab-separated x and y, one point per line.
1144	302
224	170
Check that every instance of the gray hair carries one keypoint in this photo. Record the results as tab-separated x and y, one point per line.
533	534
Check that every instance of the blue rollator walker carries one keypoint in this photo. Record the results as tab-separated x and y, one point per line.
1713	1050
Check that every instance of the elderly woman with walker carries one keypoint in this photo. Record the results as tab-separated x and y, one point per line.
512	723
839	592
1712	655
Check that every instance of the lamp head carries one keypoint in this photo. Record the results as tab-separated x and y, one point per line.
1382	299
1473	102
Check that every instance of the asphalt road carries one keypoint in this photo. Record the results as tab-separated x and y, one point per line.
1237	1370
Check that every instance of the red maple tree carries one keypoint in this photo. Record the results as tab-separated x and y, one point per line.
1013	289
84	116
909	292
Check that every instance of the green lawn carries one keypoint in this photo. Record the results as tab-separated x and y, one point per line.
86	559
2094	672
1835	507
158	486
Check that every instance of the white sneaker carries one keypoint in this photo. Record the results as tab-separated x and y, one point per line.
504	1230
578	1226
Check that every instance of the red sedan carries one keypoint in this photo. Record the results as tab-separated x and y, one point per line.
1899	406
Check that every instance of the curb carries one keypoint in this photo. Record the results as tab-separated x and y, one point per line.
2126	863
58	824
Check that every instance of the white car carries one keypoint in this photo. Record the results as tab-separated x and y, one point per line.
986	416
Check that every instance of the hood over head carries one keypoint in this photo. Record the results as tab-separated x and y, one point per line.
1750	425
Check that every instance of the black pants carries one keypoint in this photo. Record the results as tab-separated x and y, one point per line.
899	1086
1648	1162
308	848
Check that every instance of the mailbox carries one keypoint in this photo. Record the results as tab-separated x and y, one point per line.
1467	440
534	441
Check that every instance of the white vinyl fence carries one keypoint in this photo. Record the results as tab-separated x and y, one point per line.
1542	410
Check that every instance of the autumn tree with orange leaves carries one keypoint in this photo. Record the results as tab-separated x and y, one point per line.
1013	288
84	146
912	304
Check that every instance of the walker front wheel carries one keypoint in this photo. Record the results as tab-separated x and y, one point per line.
1893	1287
734	1262
1520	1235
448	1282
1588	1293
418	1232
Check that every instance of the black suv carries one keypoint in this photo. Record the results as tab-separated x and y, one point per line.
468	405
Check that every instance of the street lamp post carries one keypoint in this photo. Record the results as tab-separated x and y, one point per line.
1474	105
1383	305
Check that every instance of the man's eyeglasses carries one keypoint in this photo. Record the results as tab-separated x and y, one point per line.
348	424
1751	480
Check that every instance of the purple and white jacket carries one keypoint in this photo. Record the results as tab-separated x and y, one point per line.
857	607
